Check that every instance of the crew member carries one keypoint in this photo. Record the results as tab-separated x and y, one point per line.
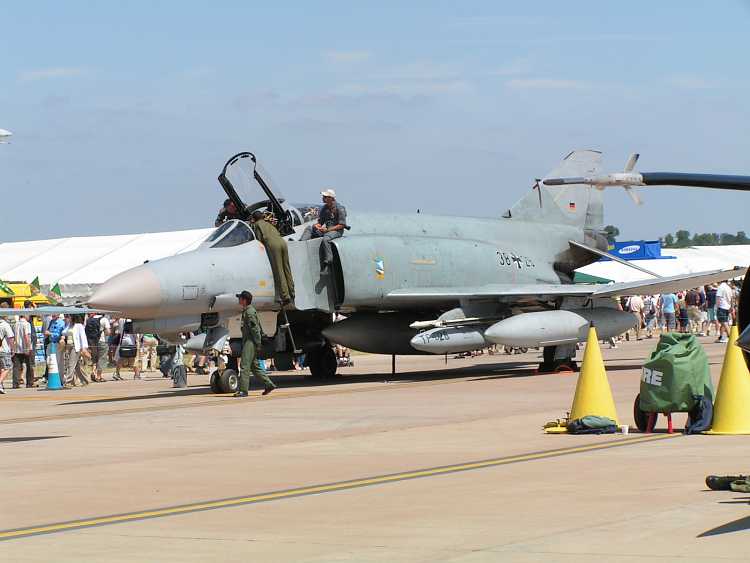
278	256
251	341
228	212
331	224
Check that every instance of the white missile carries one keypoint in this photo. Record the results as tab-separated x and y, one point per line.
551	328
4	136
450	340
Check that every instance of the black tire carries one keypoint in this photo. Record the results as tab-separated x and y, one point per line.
215	382
283	361
322	363
229	381
640	417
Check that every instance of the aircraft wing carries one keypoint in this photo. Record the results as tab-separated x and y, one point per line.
52	310
546	292
669	284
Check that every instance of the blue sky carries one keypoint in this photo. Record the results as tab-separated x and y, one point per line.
124	114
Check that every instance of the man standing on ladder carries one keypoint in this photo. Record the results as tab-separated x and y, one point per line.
278	256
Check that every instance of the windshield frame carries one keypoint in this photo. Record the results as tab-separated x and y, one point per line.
218	238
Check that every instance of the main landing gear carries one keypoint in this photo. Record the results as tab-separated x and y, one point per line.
322	361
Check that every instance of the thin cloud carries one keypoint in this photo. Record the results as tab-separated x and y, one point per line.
347	57
409	89
513	68
691	82
48	73
546	84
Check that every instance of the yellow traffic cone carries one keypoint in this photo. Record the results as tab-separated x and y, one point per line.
732	405
593	396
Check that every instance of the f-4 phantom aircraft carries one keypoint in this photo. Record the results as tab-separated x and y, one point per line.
407	284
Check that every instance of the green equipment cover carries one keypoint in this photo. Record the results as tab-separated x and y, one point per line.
676	377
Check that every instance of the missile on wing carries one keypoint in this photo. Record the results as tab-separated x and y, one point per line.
552	328
450	340
4	136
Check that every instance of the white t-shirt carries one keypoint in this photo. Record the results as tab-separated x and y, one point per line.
23	336
5	333
79	337
724	296
105	326
636	304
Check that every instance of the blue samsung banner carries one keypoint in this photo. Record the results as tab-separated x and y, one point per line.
638	250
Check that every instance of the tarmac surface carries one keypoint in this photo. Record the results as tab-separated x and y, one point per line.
438	463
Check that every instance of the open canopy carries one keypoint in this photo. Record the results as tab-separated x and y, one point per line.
251	189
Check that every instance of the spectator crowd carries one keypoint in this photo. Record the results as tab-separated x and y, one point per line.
704	311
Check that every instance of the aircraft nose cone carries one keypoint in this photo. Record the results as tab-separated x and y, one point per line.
135	293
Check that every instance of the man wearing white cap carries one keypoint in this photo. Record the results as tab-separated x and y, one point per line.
331	224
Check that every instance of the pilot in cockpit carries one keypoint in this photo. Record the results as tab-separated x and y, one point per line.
227	213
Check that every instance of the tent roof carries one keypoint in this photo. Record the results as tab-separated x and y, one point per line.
688	260
90	260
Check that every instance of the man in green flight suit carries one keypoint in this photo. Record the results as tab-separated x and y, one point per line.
251	340
278	256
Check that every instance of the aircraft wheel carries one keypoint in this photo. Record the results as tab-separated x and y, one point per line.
283	361
323	363
215	382
229	381
640	417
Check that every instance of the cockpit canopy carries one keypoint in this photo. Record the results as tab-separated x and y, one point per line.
245	181
231	233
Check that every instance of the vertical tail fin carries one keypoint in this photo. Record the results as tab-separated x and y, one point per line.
571	204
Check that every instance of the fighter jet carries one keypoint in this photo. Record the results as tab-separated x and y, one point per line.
407	284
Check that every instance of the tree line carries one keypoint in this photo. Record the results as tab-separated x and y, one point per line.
683	238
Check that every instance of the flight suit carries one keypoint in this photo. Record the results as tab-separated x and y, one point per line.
278	256
251	340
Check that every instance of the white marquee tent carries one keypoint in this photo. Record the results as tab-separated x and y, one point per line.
686	261
79	264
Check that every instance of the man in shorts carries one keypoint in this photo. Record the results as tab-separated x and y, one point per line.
668	306
724	296
128	355
711	309
97	330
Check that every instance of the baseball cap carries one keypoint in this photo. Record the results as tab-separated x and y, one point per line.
244	295
328	193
